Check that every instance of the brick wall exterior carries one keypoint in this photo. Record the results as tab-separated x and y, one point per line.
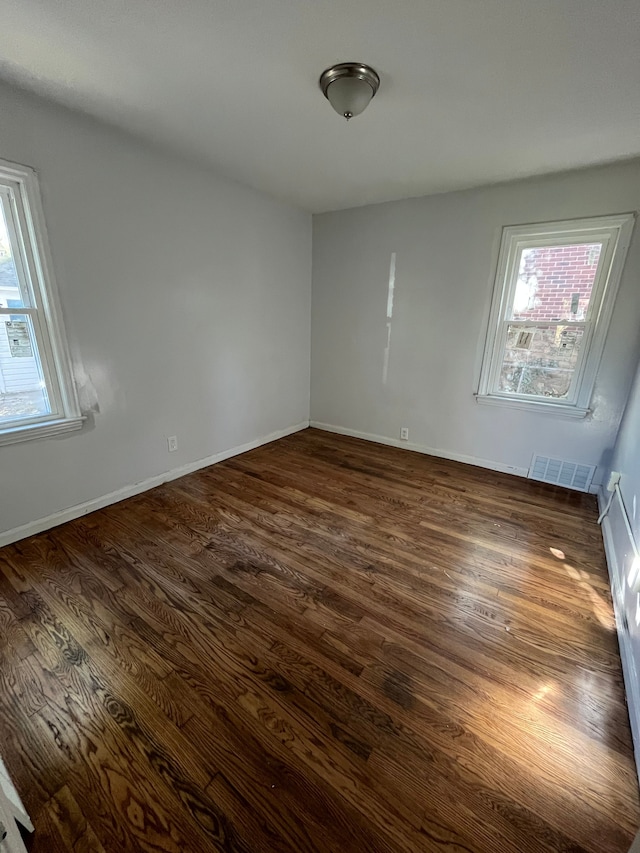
555	279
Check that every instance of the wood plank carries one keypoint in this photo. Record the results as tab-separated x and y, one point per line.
321	645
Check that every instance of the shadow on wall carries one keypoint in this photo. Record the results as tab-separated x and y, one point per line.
605	463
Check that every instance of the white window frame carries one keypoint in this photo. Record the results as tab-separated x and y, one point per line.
614	232
25	221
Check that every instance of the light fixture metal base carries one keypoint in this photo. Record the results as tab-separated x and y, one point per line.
349	69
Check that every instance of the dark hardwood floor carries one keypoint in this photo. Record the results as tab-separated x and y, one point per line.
321	645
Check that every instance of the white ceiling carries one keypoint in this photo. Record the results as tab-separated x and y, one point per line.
472	91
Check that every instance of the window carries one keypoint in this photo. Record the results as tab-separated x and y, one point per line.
37	395
552	302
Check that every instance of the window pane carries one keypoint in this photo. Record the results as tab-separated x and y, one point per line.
22	389
10	295
555	282
540	360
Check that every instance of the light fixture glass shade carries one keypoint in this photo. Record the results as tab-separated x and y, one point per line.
349	96
349	86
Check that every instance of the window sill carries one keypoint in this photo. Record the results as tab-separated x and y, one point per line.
539	406
41	430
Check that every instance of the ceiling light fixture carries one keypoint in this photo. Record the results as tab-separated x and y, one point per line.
349	87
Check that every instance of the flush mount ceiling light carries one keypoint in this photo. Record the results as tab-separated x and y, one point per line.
349	87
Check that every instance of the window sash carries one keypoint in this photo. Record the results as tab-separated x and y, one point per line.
598	283
614	233
23	261
501	345
50	379
22	209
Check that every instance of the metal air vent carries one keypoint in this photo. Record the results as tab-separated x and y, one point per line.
573	475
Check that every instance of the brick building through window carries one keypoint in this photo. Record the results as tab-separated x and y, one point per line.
555	282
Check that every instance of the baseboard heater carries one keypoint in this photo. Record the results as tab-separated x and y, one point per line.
623	562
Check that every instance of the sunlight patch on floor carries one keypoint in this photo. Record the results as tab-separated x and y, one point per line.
601	608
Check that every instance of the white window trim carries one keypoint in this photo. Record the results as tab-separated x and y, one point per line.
48	324
615	234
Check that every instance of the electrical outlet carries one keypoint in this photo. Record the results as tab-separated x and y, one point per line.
614	479
404	433
172	443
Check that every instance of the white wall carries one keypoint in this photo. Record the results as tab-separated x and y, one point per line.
187	304
446	249
621	542
626	457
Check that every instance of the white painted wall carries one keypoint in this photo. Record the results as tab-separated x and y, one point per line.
622	541
446	250
626	457
187	304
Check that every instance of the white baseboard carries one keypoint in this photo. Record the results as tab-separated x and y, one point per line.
617	546
421	448
33	527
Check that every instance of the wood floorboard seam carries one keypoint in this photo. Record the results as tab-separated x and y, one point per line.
322	646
